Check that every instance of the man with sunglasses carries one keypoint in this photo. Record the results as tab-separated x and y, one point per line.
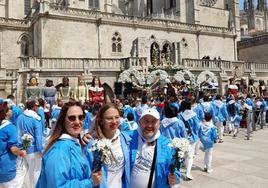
30	123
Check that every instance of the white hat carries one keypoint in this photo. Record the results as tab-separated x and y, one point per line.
152	112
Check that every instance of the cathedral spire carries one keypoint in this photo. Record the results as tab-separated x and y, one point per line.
261	5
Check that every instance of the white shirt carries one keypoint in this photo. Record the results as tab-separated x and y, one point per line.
142	167
116	168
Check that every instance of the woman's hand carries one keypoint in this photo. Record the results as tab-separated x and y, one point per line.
171	179
96	177
85	139
22	153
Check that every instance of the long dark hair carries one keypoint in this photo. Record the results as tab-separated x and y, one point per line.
3	111
60	129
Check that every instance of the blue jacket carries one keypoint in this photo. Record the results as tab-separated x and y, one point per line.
30	125
163	159
124	138
220	111
174	129
63	166
16	112
194	124
8	139
207	135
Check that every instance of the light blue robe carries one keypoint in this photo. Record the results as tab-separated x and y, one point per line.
8	139
30	125
207	135
16	112
124	138
63	166
163	159
173	129
194	124
220	110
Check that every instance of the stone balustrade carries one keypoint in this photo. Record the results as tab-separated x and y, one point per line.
136	62
14	23
152	22
205	64
74	64
139	63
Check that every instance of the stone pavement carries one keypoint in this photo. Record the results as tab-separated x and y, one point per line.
236	163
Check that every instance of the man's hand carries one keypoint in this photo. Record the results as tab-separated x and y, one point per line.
96	177
171	179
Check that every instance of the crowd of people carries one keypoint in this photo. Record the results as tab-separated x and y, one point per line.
57	153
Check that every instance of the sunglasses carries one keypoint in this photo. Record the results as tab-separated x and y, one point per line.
73	118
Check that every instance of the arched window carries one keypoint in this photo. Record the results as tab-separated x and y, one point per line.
116	43
24	46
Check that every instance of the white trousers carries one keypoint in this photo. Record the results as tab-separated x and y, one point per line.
220	129
18	181
190	158
34	163
208	158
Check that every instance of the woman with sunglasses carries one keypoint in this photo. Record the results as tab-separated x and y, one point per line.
63	162
9	150
117	173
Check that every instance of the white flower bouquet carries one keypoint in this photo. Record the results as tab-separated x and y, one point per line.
27	141
181	147
102	153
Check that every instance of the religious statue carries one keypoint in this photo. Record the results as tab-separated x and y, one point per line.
64	90
96	91
50	92
252	90
81	91
33	91
232	88
262	88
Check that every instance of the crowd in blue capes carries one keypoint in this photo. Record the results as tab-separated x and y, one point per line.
163	159
63	166
207	134
124	139
30	123
8	139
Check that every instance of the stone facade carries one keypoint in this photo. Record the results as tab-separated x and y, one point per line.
52	39
253	18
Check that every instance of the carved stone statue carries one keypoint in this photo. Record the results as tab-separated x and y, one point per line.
96	92
81	91
50	92
262	87
252	90
64	90
33	91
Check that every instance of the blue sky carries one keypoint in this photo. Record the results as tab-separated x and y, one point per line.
241	3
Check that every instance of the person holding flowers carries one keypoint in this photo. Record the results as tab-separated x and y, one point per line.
30	123
109	152
9	150
150	156
63	162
